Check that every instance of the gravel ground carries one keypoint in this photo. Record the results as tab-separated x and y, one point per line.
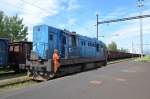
124	80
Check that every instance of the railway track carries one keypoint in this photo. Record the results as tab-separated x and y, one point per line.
10	75
16	86
14	81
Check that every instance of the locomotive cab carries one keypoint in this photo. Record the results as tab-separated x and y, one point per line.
44	43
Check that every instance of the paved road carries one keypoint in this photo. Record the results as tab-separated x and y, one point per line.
125	80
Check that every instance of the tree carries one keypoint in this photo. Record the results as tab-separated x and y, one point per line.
123	50
1	23
112	46
12	28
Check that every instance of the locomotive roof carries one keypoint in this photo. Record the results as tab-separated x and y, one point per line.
72	33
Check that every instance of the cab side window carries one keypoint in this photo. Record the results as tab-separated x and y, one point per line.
64	40
51	37
97	47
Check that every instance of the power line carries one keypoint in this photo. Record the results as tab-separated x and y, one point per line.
29	11
33	5
14	6
42	9
45	10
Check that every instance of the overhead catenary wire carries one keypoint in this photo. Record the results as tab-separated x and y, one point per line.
34	5
14	7
45	10
125	19
28	11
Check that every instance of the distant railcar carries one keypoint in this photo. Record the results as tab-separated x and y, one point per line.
3	52
18	53
113	55
76	51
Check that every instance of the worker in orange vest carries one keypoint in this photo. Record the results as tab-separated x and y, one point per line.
56	60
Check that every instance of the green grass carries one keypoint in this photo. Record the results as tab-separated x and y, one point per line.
5	71
12	87
14	80
121	60
11	75
144	59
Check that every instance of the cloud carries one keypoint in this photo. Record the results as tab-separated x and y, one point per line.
131	28
11	7
70	5
40	10
32	11
73	5
128	31
36	12
72	21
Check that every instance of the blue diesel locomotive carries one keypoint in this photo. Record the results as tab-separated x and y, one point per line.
76	52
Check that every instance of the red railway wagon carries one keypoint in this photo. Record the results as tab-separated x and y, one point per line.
18	53
119	55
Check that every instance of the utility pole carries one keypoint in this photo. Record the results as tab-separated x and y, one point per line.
97	25
132	49
140	5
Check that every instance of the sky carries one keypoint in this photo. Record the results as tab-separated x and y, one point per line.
80	16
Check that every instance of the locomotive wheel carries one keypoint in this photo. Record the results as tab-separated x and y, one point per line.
105	63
